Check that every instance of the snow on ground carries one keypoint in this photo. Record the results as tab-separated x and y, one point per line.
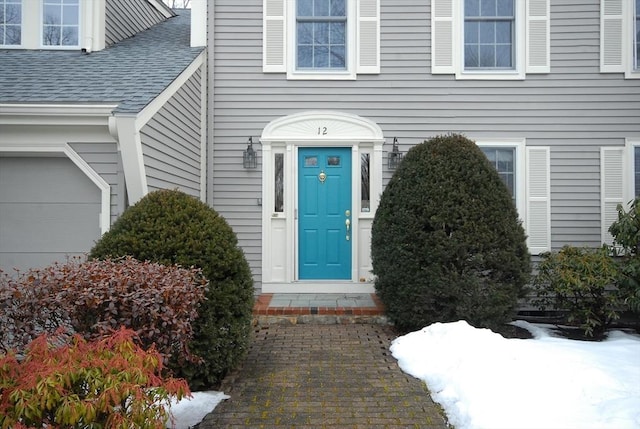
190	411
484	381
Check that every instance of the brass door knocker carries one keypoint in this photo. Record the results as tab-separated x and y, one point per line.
322	177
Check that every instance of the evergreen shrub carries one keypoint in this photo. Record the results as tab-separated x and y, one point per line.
580	282
171	227
447	243
626	234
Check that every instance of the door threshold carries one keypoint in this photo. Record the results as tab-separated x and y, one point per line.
319	286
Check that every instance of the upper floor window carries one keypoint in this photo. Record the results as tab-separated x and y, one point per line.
637	35
489	34
490	39
321	32
10	22
60	23
321	39
620	37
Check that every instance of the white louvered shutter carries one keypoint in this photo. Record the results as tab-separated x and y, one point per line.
368	37
538	220
611	187
274	36
442	37
612	36
538	56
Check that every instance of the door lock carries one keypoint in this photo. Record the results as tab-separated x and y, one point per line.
348	225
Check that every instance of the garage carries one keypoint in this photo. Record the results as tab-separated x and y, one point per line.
49	210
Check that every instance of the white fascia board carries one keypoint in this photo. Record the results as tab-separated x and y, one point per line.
55	114
158	103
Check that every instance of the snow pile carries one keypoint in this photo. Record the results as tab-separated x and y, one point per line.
484	381
190	411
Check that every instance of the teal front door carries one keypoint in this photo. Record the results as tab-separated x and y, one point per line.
324	213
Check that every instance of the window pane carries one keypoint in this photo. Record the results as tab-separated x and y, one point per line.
472	7
471	30
51	35
305	7
503	32
333	161
321	33
321	57
503	56
471	56
321	8
488	7
279	183
505	7
365	188
637	34
487	32
70	15
52	15
69	36
13	14
338	8
310	161
487	56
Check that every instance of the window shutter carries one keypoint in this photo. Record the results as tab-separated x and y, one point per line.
611	187
368	36
538	220
611	36
538	56
442	37
273	36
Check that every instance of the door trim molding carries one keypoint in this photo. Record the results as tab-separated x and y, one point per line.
279	246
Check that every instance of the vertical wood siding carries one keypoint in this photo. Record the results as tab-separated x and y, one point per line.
125	18
574	110
171	141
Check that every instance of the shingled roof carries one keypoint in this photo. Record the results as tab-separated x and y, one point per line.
130	73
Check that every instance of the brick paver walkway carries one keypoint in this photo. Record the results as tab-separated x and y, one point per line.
316	376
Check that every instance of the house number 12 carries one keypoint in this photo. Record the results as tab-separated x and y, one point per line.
322	131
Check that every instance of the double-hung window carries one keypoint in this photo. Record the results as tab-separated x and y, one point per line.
489	34
321	39
490	39
321	35
620	37
10	22
525	172
61	23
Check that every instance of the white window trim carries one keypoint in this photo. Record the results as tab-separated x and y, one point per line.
532	41
81	14
21	45
533	192
318	74
520	159
630	183
632	71
518	72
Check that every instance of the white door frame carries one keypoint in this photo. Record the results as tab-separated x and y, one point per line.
282	137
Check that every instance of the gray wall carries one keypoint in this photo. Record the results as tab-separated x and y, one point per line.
171	141
575	109
105	160
124	18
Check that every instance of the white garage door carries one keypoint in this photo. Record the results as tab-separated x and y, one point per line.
49	210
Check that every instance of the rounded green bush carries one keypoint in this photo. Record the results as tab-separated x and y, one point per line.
447	243
171	227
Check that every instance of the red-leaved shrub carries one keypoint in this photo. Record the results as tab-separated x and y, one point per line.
110	383
95	298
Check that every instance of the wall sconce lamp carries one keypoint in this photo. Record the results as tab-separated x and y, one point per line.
395	156
250	156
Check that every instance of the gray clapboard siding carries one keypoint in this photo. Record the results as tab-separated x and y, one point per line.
105	160
125	18
171	141
574	109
